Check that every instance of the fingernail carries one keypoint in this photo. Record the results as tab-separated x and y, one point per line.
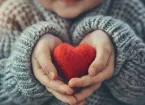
51	75
92	72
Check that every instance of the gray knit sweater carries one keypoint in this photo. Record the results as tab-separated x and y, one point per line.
23	22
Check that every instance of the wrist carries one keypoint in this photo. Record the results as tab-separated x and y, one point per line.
50	40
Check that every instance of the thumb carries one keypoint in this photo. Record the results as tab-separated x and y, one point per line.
45	61
102	56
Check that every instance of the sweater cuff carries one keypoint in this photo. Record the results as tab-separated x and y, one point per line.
20	82
119	32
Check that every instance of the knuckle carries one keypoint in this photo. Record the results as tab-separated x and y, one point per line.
85	82
60	88
44	80
46	83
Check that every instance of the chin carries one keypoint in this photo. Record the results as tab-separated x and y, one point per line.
68	15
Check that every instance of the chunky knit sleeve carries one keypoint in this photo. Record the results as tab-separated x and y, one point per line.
18	86
128	81
131	12
17	83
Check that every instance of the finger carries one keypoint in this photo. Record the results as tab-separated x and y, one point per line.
63	97
100	77
45	61
81	82
46	81
107	72
81	103
86	92
103	54
60	87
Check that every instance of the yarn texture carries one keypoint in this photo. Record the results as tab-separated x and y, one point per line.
24	22
73	61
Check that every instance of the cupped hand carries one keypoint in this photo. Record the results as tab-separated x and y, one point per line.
101	68
45	71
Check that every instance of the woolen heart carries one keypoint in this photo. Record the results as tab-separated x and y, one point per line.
73	61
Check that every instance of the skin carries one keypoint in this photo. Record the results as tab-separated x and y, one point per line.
68	11
43	69
101	68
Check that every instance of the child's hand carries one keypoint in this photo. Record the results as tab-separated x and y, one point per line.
45	71
101	68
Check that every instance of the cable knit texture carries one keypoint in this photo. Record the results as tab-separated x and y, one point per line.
23	22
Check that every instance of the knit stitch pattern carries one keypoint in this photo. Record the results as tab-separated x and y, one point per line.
24	22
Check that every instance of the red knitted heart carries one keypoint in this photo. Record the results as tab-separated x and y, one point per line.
73	61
